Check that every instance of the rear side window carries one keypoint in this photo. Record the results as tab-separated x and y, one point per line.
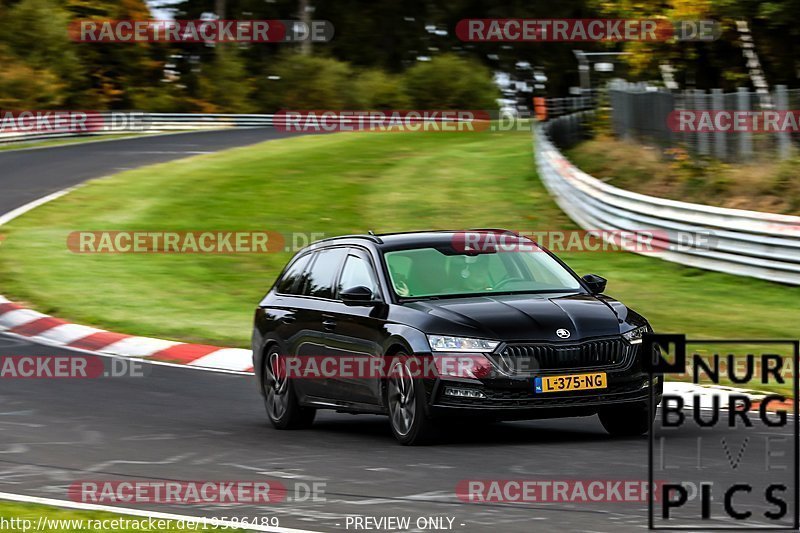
291	282
323	273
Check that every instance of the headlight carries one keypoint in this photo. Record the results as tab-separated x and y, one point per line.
635	335
442	343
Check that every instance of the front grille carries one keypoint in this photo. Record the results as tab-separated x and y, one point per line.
528	358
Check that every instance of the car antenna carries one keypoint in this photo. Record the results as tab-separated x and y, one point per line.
371	232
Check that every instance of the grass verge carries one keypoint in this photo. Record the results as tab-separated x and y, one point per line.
334	184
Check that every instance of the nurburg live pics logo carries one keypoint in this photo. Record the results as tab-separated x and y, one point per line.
732	462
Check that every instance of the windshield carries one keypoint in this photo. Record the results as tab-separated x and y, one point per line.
428	272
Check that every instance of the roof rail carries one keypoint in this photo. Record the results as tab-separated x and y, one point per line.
373	238
495	230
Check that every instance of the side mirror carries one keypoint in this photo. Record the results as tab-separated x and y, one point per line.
595	283
358	295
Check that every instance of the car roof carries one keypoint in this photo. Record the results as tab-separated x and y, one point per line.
406	240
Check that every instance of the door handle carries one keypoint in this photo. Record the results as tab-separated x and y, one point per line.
329	324
288	319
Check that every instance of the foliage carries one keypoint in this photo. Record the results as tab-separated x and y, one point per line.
717	63
384	54
224	84
451	82
22	87
306	82
375	89
765	184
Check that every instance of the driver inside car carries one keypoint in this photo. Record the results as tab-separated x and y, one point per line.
473	276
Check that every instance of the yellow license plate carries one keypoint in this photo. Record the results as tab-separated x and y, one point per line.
592	380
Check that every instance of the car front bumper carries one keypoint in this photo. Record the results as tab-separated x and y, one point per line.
514	397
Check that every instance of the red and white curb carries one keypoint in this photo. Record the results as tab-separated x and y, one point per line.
37	327
19	321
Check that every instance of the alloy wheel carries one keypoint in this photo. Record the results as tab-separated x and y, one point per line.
402	398
276	386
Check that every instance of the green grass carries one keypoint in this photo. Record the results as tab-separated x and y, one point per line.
334	184
70	521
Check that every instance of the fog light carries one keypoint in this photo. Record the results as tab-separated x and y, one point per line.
656	381
463	393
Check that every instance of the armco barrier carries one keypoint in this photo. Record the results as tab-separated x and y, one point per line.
744	243
105	123
149	123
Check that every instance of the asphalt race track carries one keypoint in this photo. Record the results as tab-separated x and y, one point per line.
186	424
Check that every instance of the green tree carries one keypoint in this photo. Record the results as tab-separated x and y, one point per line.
451	82
23	87
375	89
224	84
294	81
115	73
35	34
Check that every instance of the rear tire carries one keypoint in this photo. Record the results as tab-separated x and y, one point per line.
627	420
280	400
405	398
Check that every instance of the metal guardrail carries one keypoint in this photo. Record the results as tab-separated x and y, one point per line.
557	107
115	123
734	241
98	124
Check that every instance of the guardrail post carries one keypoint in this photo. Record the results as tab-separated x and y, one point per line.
627	102
782	106
700	103
718	104
745	137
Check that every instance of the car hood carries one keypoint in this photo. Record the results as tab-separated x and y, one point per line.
534	317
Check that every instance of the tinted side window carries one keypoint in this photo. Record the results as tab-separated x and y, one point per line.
290	283
357	272
323	273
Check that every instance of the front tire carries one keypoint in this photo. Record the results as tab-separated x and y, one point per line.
627	420
405	397
280	400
